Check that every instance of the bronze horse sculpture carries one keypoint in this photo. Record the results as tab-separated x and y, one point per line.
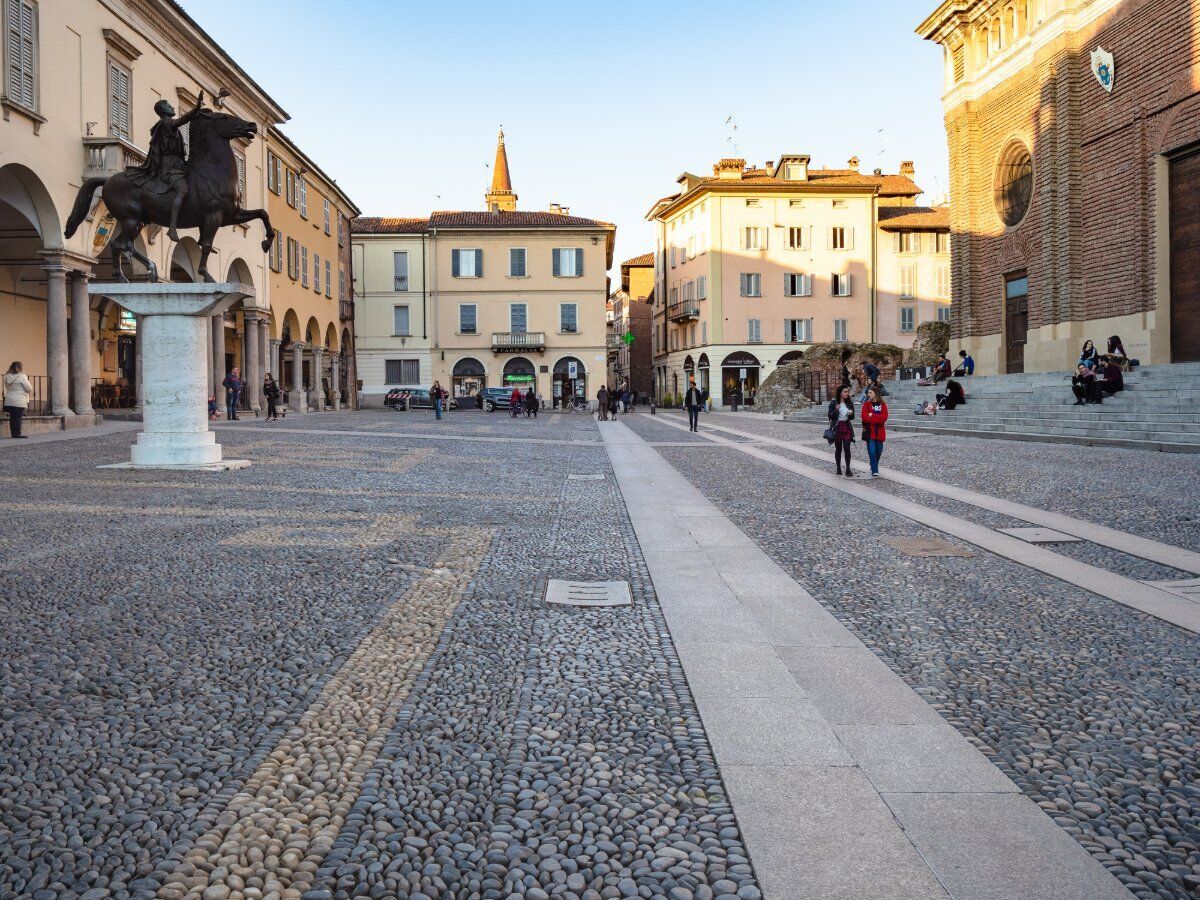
211	202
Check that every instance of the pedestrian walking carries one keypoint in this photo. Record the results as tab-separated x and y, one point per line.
874	419
602	402
18	391
514	402
693	399
531	403
234	386
271	392
438	395
735	397
841	413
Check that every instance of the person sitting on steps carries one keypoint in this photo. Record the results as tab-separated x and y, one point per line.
1084	385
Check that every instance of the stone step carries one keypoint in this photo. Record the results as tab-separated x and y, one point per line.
1148	430
1168	446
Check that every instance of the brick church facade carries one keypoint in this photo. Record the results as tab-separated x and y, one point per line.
1075	209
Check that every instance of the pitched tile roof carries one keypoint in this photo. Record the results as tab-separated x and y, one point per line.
646	259
914	218
385	225
510	219
889	185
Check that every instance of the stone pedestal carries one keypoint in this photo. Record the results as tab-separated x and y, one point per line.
173	325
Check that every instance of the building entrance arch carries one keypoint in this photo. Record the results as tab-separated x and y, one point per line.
570	379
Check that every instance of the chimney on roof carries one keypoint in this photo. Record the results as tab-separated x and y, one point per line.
879	173
556	209
853	163
907	168
730	169
770	165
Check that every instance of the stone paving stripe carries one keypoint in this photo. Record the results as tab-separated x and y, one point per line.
1135	545
420	435
284	820
781	677
1137	595
1037	535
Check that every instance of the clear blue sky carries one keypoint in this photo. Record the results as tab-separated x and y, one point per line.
603	104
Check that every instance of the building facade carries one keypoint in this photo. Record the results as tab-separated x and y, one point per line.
513	297
310	323
630	350
755	264
1074	133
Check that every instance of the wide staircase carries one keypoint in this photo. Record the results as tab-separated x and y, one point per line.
1158	410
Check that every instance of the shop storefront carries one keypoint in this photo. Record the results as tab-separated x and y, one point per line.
689	371
790	357
519	372
570	379
702	371
468	378
739	377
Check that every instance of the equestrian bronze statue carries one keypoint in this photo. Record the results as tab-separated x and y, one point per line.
171	190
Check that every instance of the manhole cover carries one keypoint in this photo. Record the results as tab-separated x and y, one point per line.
574	477
1038	535
926	546
588	593
1188	590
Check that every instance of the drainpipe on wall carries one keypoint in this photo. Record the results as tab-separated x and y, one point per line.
874	261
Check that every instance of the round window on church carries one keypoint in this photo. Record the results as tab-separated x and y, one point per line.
1014	183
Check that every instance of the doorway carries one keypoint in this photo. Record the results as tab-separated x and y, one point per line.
1185	258
1016	321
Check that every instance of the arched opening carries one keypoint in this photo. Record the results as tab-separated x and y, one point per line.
790	357
185	260
239	272
570	380
467	380
519	372
702	369
739	378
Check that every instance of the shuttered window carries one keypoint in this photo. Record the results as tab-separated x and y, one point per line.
120	80
797	331
304	267
466	263
754	238
303	197
400	270
840	285
516	262
21	52
518	317
328	279
943	313
797	284
841	237
327	223
272	173
908	281
293	258
840	330
701	287
568	262
751	284
317	273
908	319
568	318
466	318
400	321
943	282
754	331
800	237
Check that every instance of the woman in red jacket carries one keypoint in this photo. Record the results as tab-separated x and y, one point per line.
874	416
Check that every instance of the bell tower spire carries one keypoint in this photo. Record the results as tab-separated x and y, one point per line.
501	196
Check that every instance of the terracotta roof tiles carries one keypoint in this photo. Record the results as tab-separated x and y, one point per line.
646	259
510	219
914	218
387	225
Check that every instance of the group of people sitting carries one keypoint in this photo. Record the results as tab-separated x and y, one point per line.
941	369
1097	375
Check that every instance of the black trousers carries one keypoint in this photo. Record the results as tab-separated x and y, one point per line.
271	411
1091	393
15	415
693	417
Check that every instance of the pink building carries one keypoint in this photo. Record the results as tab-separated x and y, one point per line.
754	265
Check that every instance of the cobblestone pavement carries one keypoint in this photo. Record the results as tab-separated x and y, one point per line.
1087	705
332	675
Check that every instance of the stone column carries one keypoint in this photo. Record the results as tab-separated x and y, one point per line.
264	349
318	390
81	344
297	399
254	371
57	366
217	344
138	368
335	380
276	363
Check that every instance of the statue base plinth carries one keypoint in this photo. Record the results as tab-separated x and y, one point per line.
174	334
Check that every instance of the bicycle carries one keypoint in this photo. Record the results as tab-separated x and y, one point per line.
576	405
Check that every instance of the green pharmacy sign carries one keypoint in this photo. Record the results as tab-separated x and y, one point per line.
627	338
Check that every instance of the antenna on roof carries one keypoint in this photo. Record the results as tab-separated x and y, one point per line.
731	140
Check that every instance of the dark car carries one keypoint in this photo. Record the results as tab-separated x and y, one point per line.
496	398
418	398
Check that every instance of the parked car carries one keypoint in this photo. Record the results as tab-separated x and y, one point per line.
496	398
418	398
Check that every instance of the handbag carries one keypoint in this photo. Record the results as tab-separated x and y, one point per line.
828	435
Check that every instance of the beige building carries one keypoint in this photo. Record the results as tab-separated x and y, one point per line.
309	330
514	298
78	103
755	264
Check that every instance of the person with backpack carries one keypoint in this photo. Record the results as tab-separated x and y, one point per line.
874	418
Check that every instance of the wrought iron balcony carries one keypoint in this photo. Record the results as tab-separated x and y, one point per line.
683	311
518	341
345	310
107	155
613	343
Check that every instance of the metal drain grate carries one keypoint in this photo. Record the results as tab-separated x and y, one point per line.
588	593
1035	535
574	477
926	546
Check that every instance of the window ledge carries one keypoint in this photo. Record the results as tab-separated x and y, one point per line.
467	333
517	276
10	106
568	333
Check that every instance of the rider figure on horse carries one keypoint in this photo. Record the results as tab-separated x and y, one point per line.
165	168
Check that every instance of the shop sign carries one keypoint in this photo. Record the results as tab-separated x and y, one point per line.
572	370
735	360
741	373
518	379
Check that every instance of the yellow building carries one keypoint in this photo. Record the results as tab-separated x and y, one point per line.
515	298
78	104
310	326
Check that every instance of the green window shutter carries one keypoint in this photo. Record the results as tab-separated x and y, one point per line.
454	267
478	263
578	262
556	264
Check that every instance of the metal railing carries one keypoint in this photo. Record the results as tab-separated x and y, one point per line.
345	310
686	309
39	403
106	395
817	385
518	340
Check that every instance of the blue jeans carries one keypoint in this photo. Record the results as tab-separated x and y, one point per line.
874	451
437	407
693	417
234	400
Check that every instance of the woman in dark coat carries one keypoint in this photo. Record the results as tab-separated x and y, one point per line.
531	403
841	414
954	396
271	392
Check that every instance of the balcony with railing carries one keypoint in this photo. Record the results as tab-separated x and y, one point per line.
107	155
684	311
345	310
518	341
613	343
